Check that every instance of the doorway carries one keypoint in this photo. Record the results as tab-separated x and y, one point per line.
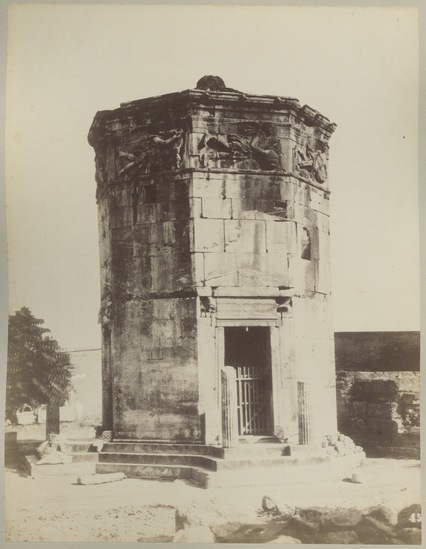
248	350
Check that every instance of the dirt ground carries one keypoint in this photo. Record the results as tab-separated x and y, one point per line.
57	509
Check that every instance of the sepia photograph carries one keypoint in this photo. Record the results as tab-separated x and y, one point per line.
212	222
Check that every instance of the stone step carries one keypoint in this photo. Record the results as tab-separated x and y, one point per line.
237	461
281	449
250	472
75	468
156	472
273	472
255	463
254	449
159	459
162	448
70	446
253	439
88	457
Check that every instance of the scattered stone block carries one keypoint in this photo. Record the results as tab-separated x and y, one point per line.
342	519
222	531
269	506
358	477
100	479
378	524
301	529
284	539
341	448
412	536
210	513
384	514
332	519
195	534
369	535
371	531
280	510
254	533
343	536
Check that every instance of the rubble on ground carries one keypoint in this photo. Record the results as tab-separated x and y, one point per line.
340	445
281	523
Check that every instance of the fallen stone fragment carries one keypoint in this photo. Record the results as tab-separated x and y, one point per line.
410	535
300	529
254	533
284	539
208	511
358	477
222	531
371	536
383	513
344	536
269	506
278	509
328	519
379	525
100	479
341	448
341	519
179	482
371	531
195	534
314	515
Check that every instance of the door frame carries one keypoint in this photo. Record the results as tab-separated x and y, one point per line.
254	379
274	342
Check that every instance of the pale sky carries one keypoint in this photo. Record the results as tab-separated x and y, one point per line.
357	66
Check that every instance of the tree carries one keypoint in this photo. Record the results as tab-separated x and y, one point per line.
37	369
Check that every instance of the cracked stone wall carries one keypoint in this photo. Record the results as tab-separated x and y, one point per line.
378	391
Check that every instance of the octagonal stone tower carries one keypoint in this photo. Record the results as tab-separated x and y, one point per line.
215	268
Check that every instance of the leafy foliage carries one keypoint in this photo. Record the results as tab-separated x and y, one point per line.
37	370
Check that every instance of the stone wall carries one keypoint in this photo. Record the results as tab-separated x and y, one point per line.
378	391
380	411
150	383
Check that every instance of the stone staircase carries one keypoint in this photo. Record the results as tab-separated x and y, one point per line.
83	461
211	466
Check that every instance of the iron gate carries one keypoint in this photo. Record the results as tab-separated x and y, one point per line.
253	402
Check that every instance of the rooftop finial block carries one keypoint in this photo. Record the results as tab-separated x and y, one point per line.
210	82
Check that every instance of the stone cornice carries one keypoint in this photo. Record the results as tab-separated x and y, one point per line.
208	98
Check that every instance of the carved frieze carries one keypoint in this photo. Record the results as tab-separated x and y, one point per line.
155	153
98	140
253	146
106	309
311	163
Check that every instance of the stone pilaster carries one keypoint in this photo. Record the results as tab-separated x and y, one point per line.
229	407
